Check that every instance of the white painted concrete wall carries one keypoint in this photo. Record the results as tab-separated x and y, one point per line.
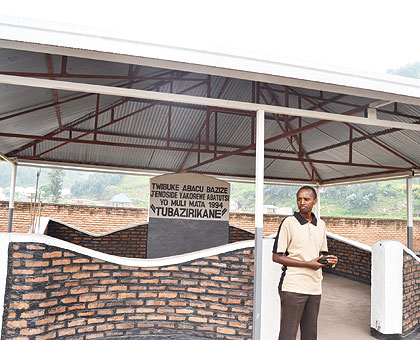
270	313
387	287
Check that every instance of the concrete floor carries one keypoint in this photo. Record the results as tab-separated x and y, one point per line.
345	310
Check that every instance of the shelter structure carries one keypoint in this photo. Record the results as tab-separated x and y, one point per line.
121	200
80	97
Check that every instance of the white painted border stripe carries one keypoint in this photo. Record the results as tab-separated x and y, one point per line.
164	261
350	242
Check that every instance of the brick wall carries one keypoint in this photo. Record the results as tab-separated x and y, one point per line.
128	242
411	294
363	230
53	293
354	263
106	219
90	218
237	234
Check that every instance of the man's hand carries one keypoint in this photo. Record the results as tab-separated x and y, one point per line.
315	265
332	260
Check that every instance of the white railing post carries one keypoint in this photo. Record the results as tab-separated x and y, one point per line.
12	198
259	222
410	213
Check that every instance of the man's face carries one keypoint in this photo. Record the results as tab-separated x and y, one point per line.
305	201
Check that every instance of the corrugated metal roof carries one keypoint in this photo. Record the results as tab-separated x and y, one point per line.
145	132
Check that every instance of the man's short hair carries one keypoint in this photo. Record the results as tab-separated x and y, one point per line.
307	187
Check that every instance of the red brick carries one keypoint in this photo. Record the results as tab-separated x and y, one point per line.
61	262
167	295
85	329
35	247
52	254
94	336
116	318
57	310
70	299
65	317
81	275
126	295
197	319
60	277
184	311
71	269
30	263
107	296
177	318
32	331
34	296
156	317
96	304
77	322
95	320
17	323
88	298
37	279
90	267
117	288
125	325
32	314
105	327
81	261
19	305
82	290
67	331
23	272
18	255
45	321
225	330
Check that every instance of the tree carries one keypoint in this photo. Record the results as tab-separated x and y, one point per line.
95	185
56	184
410	70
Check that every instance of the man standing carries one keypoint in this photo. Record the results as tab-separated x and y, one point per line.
301	247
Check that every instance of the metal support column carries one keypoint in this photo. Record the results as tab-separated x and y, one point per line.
410	212
12	198
259	222
318	204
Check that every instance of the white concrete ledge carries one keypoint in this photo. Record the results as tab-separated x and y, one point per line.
164	261
350	242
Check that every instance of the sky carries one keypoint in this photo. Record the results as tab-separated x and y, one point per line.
371	35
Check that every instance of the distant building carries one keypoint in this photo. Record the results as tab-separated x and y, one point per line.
65	193
121	200
272	209
3	196
233	206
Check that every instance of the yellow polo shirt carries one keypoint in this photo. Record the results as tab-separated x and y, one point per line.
301	240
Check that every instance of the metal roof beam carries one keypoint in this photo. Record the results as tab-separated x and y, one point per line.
178	98
379	103
54	91
289	139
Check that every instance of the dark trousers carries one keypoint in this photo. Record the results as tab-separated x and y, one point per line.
299	309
